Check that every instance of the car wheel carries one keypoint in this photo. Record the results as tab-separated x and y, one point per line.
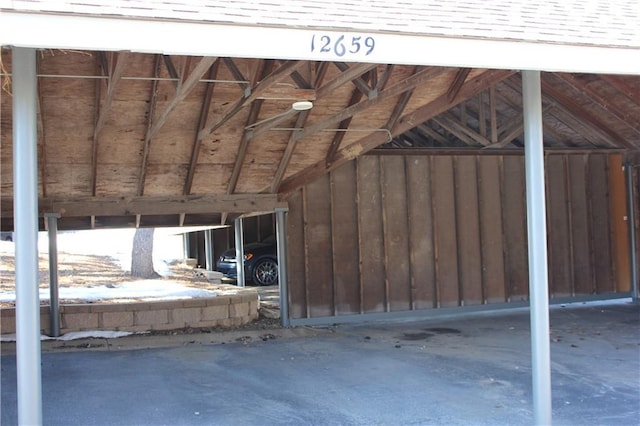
266	272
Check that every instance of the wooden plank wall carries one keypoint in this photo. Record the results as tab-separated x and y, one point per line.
401	233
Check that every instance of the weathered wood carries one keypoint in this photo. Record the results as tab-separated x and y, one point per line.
296	255
559	239
491	225
395	228
583	279
468	231
515	233
446	247
440	104
344	237
420	227
150	205
456	84
204	113
371	243
153	99
600	222
318	245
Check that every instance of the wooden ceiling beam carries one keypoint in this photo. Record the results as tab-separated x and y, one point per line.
237	75
153	100
204	113
288	152
457	83
277	76
356	95
399	88
171	70
586	118
408	121
261	72
183	90
358	82
115	64
456	130
630	92
150	205
429	132
353	72
602	101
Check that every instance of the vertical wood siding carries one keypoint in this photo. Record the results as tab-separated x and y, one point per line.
396	233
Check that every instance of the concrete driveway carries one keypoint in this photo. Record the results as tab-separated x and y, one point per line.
472	370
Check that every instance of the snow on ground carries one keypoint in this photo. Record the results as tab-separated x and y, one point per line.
143	290
117	244
74	335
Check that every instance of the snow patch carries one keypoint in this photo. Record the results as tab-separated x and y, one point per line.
74	335
144	290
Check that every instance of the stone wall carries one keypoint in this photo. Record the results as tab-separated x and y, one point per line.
221	311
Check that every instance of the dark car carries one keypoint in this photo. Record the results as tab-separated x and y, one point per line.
260	263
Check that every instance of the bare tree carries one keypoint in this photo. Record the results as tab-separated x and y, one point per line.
142	254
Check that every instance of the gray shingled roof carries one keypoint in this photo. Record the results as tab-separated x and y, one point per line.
595	22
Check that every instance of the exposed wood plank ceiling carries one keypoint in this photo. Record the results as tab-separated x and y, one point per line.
130	139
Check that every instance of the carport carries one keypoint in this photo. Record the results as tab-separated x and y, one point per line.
403	65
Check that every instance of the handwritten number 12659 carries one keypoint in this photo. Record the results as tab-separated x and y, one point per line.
340	45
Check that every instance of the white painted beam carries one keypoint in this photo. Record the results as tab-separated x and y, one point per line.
194	38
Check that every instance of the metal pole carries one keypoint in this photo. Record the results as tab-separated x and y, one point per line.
537	235
186	249
54	305
239	251
25	217
208	249
281	240
632	233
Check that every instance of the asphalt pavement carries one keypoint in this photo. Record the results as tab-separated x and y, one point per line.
474	370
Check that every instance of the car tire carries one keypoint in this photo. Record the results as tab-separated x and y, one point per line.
265	272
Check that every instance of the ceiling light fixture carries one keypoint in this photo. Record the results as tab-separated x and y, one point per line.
302	105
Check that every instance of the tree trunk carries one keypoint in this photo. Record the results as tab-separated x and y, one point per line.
142	254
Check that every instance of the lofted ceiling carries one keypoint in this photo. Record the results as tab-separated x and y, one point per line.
133	139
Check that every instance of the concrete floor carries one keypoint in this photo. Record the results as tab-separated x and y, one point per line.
472	370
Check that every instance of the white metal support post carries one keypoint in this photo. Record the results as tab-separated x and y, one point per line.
54	305
631	221
208	249
239	236
281	240
25	214
537	235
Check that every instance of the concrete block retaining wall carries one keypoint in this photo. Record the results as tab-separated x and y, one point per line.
221	311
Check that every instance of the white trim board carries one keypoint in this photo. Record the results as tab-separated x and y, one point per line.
206	39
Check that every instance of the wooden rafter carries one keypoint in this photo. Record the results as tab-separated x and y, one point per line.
397	89
461	130
346	76
262	70
171	70
114	72
276	76
586	118
153	100
602	101
288	152
188	84
356	95
359	82
457	83
630	92
321	72
204	113
237	75
440	104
